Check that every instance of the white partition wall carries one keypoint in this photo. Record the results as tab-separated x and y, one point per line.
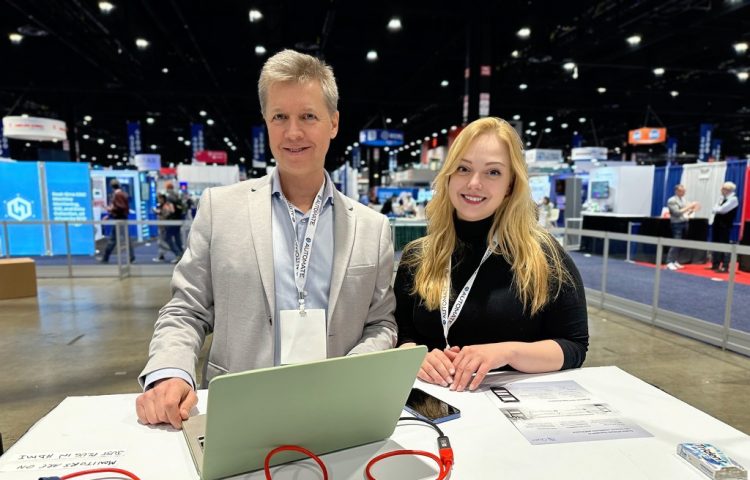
623	189
703	184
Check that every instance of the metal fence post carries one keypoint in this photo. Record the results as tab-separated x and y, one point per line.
657	280
605	260
730	295
67	250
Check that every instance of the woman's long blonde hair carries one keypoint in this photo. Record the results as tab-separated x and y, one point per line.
534	256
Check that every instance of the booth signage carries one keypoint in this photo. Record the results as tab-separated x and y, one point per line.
259	146
148	162
34	128
20	200
671	149
716	149
544	155
69	199
381	138
134	139
588	153
704	147
647	136
4	148
197	142
212	156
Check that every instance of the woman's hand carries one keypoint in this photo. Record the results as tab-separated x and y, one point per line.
437	366
477	360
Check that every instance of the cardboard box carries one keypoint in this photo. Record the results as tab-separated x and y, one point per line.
17	278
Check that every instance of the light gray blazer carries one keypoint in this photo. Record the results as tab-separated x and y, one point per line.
225	284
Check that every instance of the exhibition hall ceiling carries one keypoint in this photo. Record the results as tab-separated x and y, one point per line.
590	67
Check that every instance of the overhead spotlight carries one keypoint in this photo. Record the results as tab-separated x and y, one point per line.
202	113
356	144
87	118
388	120
634	40
24	115
260	50
242	159
453	128
515	54
405	120
563	126
582	120
210	121
740	47
394	25
100	141
444	131
86	136
141	43
226	139
516	117
372	56
112	146
150	120
187	143
674	93
165	70
547	130
601	90
234	149
106	7
426	138
255	15
153	147
569	66
524	33
15	38
742	76
444	83
658	71
532	123
434	134
550	118
83	156
387	149
180	139
523	86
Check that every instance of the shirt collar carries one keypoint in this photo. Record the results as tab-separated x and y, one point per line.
327	190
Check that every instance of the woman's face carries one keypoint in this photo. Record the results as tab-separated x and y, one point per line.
482	180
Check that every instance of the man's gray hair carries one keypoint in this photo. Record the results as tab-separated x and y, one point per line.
729	186
291	66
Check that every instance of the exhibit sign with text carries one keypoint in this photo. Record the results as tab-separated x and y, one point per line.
20	201
647	136
69	199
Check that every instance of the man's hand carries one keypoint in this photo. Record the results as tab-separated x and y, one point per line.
437	367
477	359
170	401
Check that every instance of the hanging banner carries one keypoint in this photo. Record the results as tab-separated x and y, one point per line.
212	156
197	139
147	162
716	149
704	147
4	148
587	153
647	136
381	138
671	149
577	140
34	128
259	146
134	140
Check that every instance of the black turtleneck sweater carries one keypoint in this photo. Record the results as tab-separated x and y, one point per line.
492	312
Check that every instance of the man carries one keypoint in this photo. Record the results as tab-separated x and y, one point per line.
724	212
173	233
679	209
281	269
118	209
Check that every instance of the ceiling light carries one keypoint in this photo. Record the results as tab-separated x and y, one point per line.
179	139
226	139
516	117
405	120
453	128
372	56
100	141
83	156
524	33
547	130
515	54
532	124
165	70
187	143
28	144
210	121
153	147
388	120
106	7
255	15
15	38
563	126
582	120
434	134
658	71
141	43
569	66
444	83
740	47
742	76
533	133
601	90
202	113
444	131
88	118
633	40
523	86
234	149
426	138
112	146
356	144
86	136
394	25
550	118
260	50
674	93
150	120
24	115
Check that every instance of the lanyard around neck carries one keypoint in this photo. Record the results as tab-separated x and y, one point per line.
302	255
449	319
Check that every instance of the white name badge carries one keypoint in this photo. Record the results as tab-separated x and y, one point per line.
303	337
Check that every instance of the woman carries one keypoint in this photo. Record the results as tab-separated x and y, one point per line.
545	213
516	299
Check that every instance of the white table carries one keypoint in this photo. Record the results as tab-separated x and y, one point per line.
486	445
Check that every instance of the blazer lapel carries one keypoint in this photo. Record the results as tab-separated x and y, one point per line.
259	204
344	225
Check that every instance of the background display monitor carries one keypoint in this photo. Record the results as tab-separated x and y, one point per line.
599	190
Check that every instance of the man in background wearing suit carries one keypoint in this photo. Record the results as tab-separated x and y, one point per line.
281	269
723	221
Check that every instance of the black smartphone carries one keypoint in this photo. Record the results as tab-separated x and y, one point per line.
423	405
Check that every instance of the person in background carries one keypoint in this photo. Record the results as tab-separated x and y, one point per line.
173	233
275	262
118	209
545	213
165	211
387	208
512	297
724	212
408	205
679	211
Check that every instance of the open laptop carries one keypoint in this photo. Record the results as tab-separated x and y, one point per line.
323	406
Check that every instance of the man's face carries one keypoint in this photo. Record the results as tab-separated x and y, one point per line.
681	192
300	128
725	191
